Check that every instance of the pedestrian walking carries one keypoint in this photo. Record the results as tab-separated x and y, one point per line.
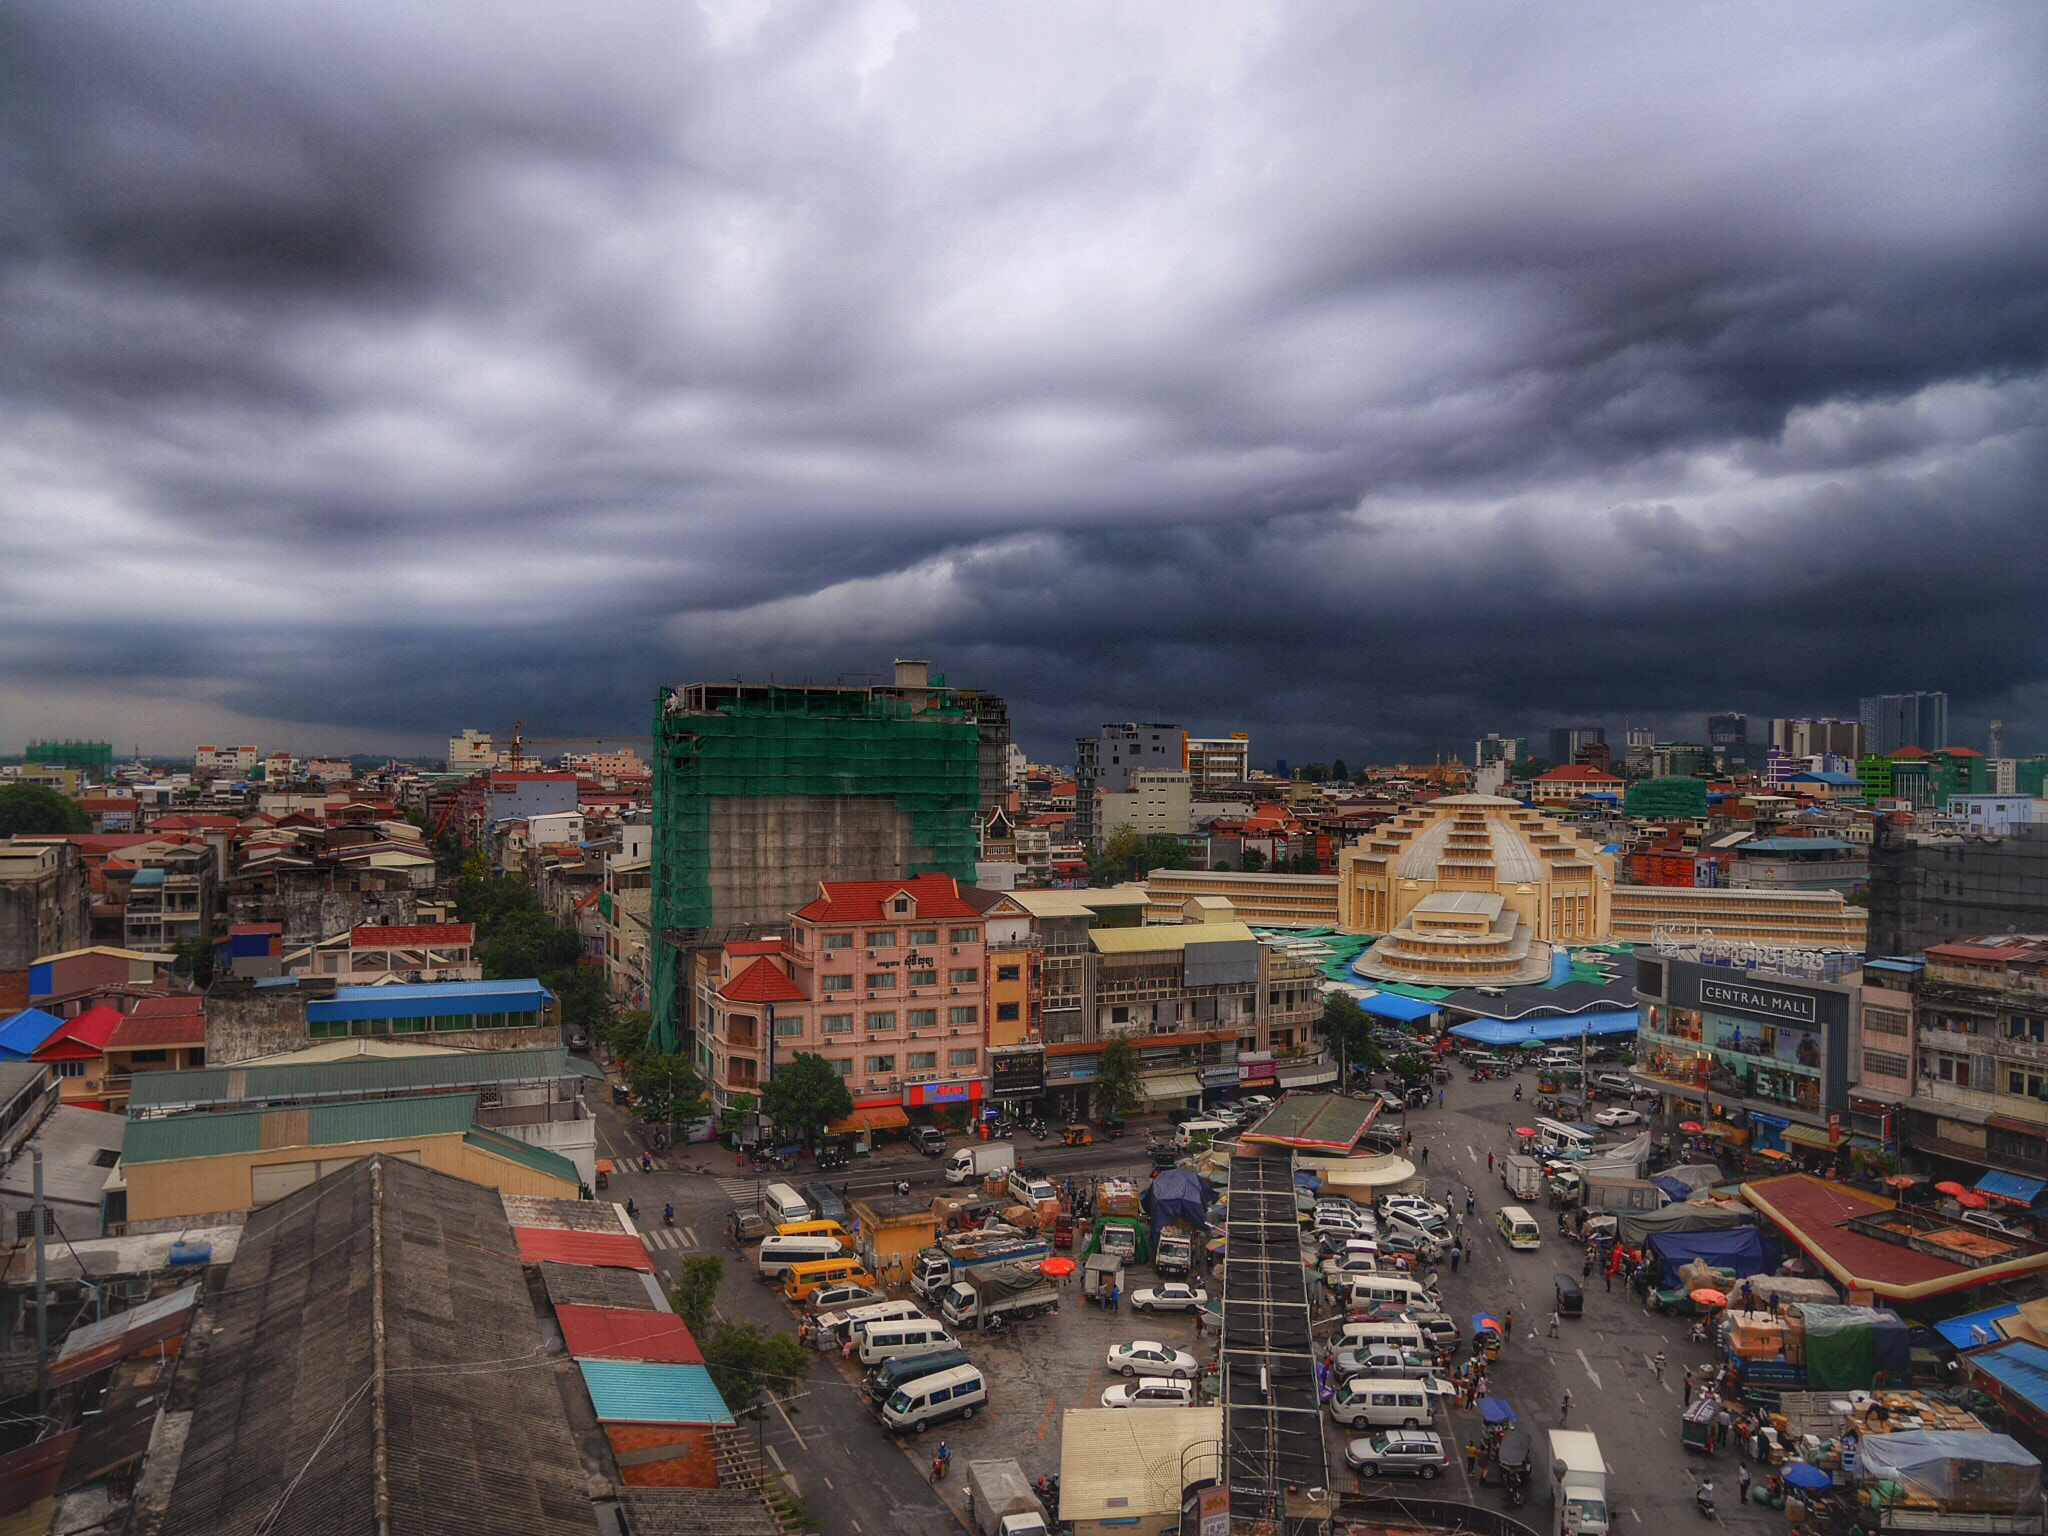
1608	1276
1564	1409
1425	1157
1199	1323
1454	1258
1470	1201
1489	1162
1657	1364
1553	1325
1688	1385
1439	1098
1587	1272
1116	1293
1472	1459
1742	1481
1507	1325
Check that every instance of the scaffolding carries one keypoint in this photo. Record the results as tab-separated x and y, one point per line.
94	758
1934	888
762	791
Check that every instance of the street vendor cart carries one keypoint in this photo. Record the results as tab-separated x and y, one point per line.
1496	1421
1486	1335
1696	1424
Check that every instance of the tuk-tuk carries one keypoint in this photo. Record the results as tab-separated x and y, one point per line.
746	1226
1696	1425
1077	1136
1161	1155
621	1094
1486	1335
604	1172
1112	1125
1511	1456
1496	1420
1571	1301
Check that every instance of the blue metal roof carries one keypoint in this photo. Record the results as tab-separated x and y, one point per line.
1957	1330
1498	1032
2011	1186
148	877
22	1035
1391	1005
640	1392
433	999
2020	1367
1796	845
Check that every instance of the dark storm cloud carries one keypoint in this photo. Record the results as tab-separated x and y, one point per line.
1363	378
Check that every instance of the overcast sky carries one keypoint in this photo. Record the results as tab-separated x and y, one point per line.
1363	377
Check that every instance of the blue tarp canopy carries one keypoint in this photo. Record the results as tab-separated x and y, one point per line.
1392	1005
1677	1189
2011	1186
1178	1194
1738	1248
1959	1330
1495	1410
1494	1032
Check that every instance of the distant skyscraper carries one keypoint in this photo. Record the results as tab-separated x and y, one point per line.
1642	741
1728	734
1818	738
1496	749
1895	720
1565	740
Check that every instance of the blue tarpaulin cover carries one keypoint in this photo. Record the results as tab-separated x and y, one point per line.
1391	1005
1178	1194
1973	1329
1738	1248
1494	1410
2011	1186
1495	1032
1677	1189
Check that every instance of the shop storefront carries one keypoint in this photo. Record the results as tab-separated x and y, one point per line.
1778	1046
1257	1070
1016	1079
955	1101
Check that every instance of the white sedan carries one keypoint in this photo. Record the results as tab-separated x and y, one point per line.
1617	1117
1175	1297
1148	1357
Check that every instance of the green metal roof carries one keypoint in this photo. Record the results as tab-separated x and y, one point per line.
175	1138
537	1158
355	1078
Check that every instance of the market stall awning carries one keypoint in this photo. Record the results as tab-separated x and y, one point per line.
1498	1032
1173	1085
1389	1005
2015	1189
1807	1136
883	1117
1308	1075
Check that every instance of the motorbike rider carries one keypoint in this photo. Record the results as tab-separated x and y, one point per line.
631	1208
1518	1093
1703	1498
668	1214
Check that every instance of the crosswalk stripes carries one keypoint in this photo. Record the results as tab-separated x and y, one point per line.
740	1191
671	1238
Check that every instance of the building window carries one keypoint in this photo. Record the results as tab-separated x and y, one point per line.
838	941
1885	1063
1006	973
884	938
881	981
922	936
2026	1085
2035	1030
881	1021
881	1064
835	983
1119	1015
924	978
843	1068
68	1068
922	1061
964	1058
965	1015
1007	1013
901	904
966	935
785	1028
837	1023
964	977
922	1018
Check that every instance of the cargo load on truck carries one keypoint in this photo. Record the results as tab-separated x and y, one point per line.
938	1266
1522	1177
1001	1500
1011	1292
1607	1192
1933	1480
1117	1197
1123	1236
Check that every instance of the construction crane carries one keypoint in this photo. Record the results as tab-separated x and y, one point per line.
520	740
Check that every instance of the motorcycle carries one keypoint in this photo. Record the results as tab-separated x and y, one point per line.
1518	1093
668	1215
1038	1129
1703	1500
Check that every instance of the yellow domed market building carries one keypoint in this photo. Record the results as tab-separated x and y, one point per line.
1472	891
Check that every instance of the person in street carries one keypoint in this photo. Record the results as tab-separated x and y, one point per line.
1472	1458
1657	1364
1507	1325
1200	1324
1489	1162
1470	1201
1425	1157
1587	1272
1564	1409
1553	1325
1688	1384
1742	1481
1455	1251
1608	1276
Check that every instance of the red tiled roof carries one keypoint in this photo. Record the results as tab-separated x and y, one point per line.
613	1333
755	947
161	1023
1576	774
411	936
762	982
237	930
866	901
1959	752
87	1034
600	1250
1908	752
1812	1211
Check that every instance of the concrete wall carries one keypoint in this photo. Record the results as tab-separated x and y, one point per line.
310	911
768	852
244	1020
44	904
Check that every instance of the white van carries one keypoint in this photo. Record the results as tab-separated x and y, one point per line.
1388	1291
1375	1400
1366	1337
781	1205
954	1394
1519	1228
779	1254
1562	1140
853	1323
909	1336
1196	1135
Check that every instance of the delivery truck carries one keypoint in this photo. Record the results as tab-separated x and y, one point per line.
939	1266
1002	1501
1522	1177
979	1159
1176	1257
1010	1293
1578	1479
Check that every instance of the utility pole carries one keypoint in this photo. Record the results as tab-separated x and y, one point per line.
38	1214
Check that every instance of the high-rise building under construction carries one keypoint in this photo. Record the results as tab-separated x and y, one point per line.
761	791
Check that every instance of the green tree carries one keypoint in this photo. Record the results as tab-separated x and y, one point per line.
805	1096
696	1291
748	1362
581	994
194	958
1529	767
1409	1067
666	1089
628	1032
34	808
1348	1029
1339	771
1117	1089
1254	861
1312	773
1125	855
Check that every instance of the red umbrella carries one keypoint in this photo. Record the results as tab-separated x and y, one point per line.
1523	1130
1692	1127
1970	1200
1951	1187
1056	1267
1707	1297
1901	1181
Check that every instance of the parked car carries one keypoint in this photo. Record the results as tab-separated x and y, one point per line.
837	1298
1612	1118
1392	1363
1150	1392
1147	1357
929	1140
1172	1297
1414	1452
1412	1204
1440	1328
1419	1245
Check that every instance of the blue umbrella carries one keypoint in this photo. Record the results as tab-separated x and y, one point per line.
1801	1475
1494	1410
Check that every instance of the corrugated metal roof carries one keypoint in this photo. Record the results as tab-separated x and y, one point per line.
174	1138
601	1250
430	1000
612	1333
1166	937
634	1392
540	1159
351	1078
